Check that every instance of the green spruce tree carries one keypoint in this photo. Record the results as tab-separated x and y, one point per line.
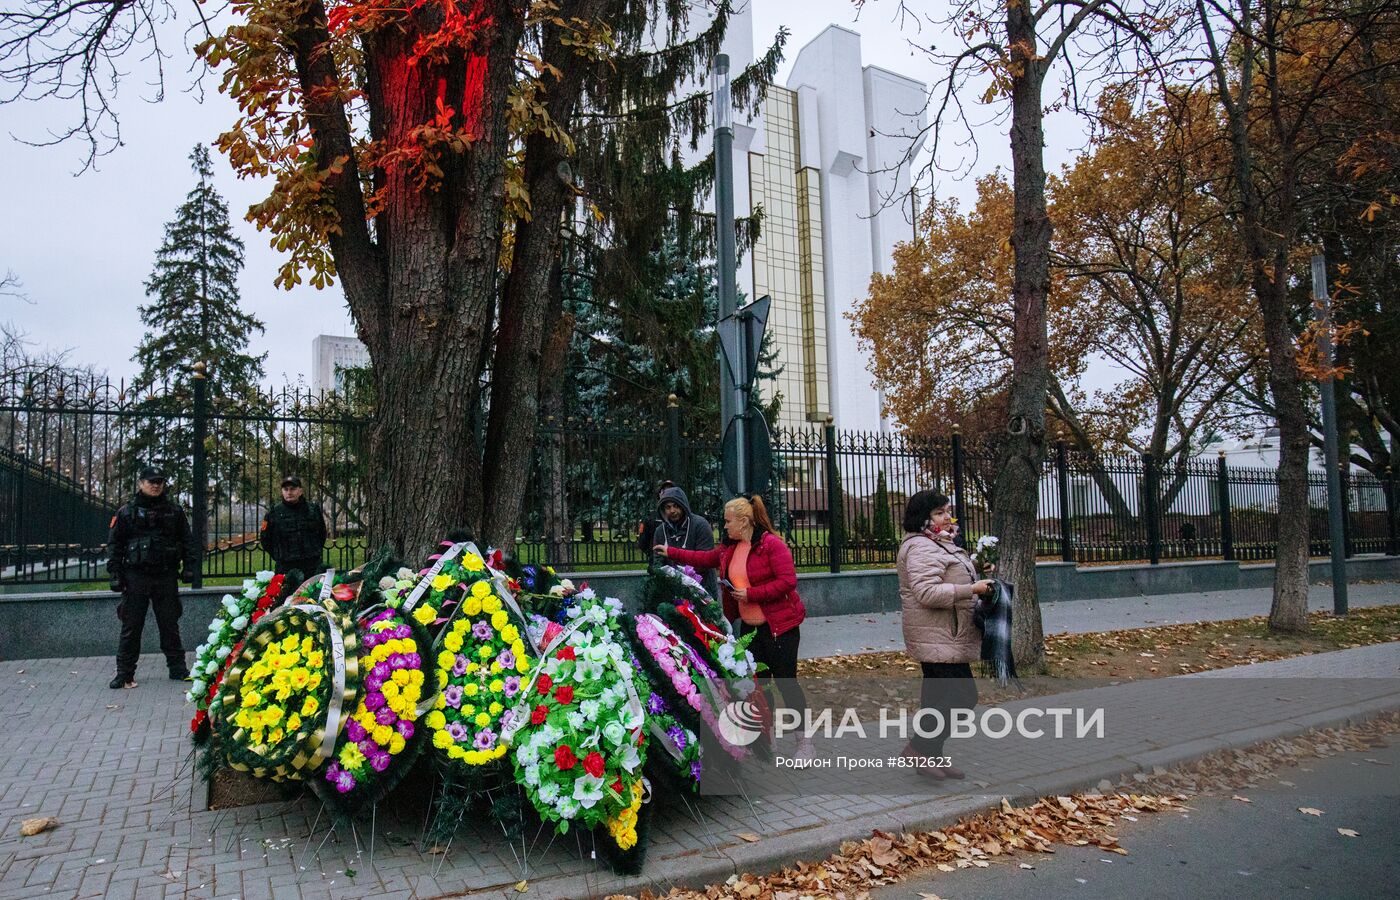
884	517
193	316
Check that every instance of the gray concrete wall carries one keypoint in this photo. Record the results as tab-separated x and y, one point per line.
35	626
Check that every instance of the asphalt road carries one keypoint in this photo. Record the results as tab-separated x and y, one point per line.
1223	847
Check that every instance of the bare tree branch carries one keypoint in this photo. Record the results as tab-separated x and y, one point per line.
68	51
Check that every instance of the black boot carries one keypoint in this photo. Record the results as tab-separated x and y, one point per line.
122	681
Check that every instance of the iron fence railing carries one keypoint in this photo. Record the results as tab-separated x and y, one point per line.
68	455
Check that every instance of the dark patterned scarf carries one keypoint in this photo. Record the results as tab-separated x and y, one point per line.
993	616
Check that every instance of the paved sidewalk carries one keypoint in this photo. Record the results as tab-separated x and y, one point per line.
875	632
109	764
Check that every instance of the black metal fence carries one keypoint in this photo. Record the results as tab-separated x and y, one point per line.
68	454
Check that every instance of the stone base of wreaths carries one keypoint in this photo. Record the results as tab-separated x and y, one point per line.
229	788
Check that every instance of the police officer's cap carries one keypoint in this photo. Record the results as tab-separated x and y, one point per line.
152	473
291	481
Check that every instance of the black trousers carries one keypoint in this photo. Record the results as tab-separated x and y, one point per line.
946	687
780	655
308	567
158	592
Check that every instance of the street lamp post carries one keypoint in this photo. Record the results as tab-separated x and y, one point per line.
1336	527
733	403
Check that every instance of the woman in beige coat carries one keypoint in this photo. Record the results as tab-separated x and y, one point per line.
938	589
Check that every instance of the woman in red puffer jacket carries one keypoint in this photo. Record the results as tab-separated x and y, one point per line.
759	587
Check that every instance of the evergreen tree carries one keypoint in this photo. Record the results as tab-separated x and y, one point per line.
884	518
194	316
860	528
624	360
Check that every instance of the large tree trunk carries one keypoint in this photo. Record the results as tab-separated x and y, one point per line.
1289	611
1022	449
423	434
420	287
1267	236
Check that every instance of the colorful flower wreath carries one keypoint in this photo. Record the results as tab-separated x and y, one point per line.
226	633
481	659
284	699
579	733
432	592
344	588
680	746
382	731
680	600
683	677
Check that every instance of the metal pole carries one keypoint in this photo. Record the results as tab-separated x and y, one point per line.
1062	482
1392	538
1227	531
959	494
733	403
1336	527
200	474
835	503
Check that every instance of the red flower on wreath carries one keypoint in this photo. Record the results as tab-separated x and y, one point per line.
544	683
566	653
539	714
565	695
593	764
564	758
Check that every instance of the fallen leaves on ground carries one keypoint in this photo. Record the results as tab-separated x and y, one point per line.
1227	771
31	827
1081	820
1155	652
1310	810
1078	820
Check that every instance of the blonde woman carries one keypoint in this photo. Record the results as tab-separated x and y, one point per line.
758	584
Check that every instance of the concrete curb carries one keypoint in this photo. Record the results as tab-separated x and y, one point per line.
811	844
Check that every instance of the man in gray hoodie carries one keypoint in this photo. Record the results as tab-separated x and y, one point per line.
675	525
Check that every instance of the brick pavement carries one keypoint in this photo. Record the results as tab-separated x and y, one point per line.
113	767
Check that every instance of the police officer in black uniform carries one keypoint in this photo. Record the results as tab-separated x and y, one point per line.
149	547
294	531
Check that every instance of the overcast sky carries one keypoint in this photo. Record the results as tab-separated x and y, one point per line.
83	245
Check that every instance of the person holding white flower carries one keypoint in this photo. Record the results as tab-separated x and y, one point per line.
938	591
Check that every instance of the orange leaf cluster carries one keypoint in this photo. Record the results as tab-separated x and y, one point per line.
1146	274
425	60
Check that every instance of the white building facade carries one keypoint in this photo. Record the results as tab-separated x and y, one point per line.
330	356
828	163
